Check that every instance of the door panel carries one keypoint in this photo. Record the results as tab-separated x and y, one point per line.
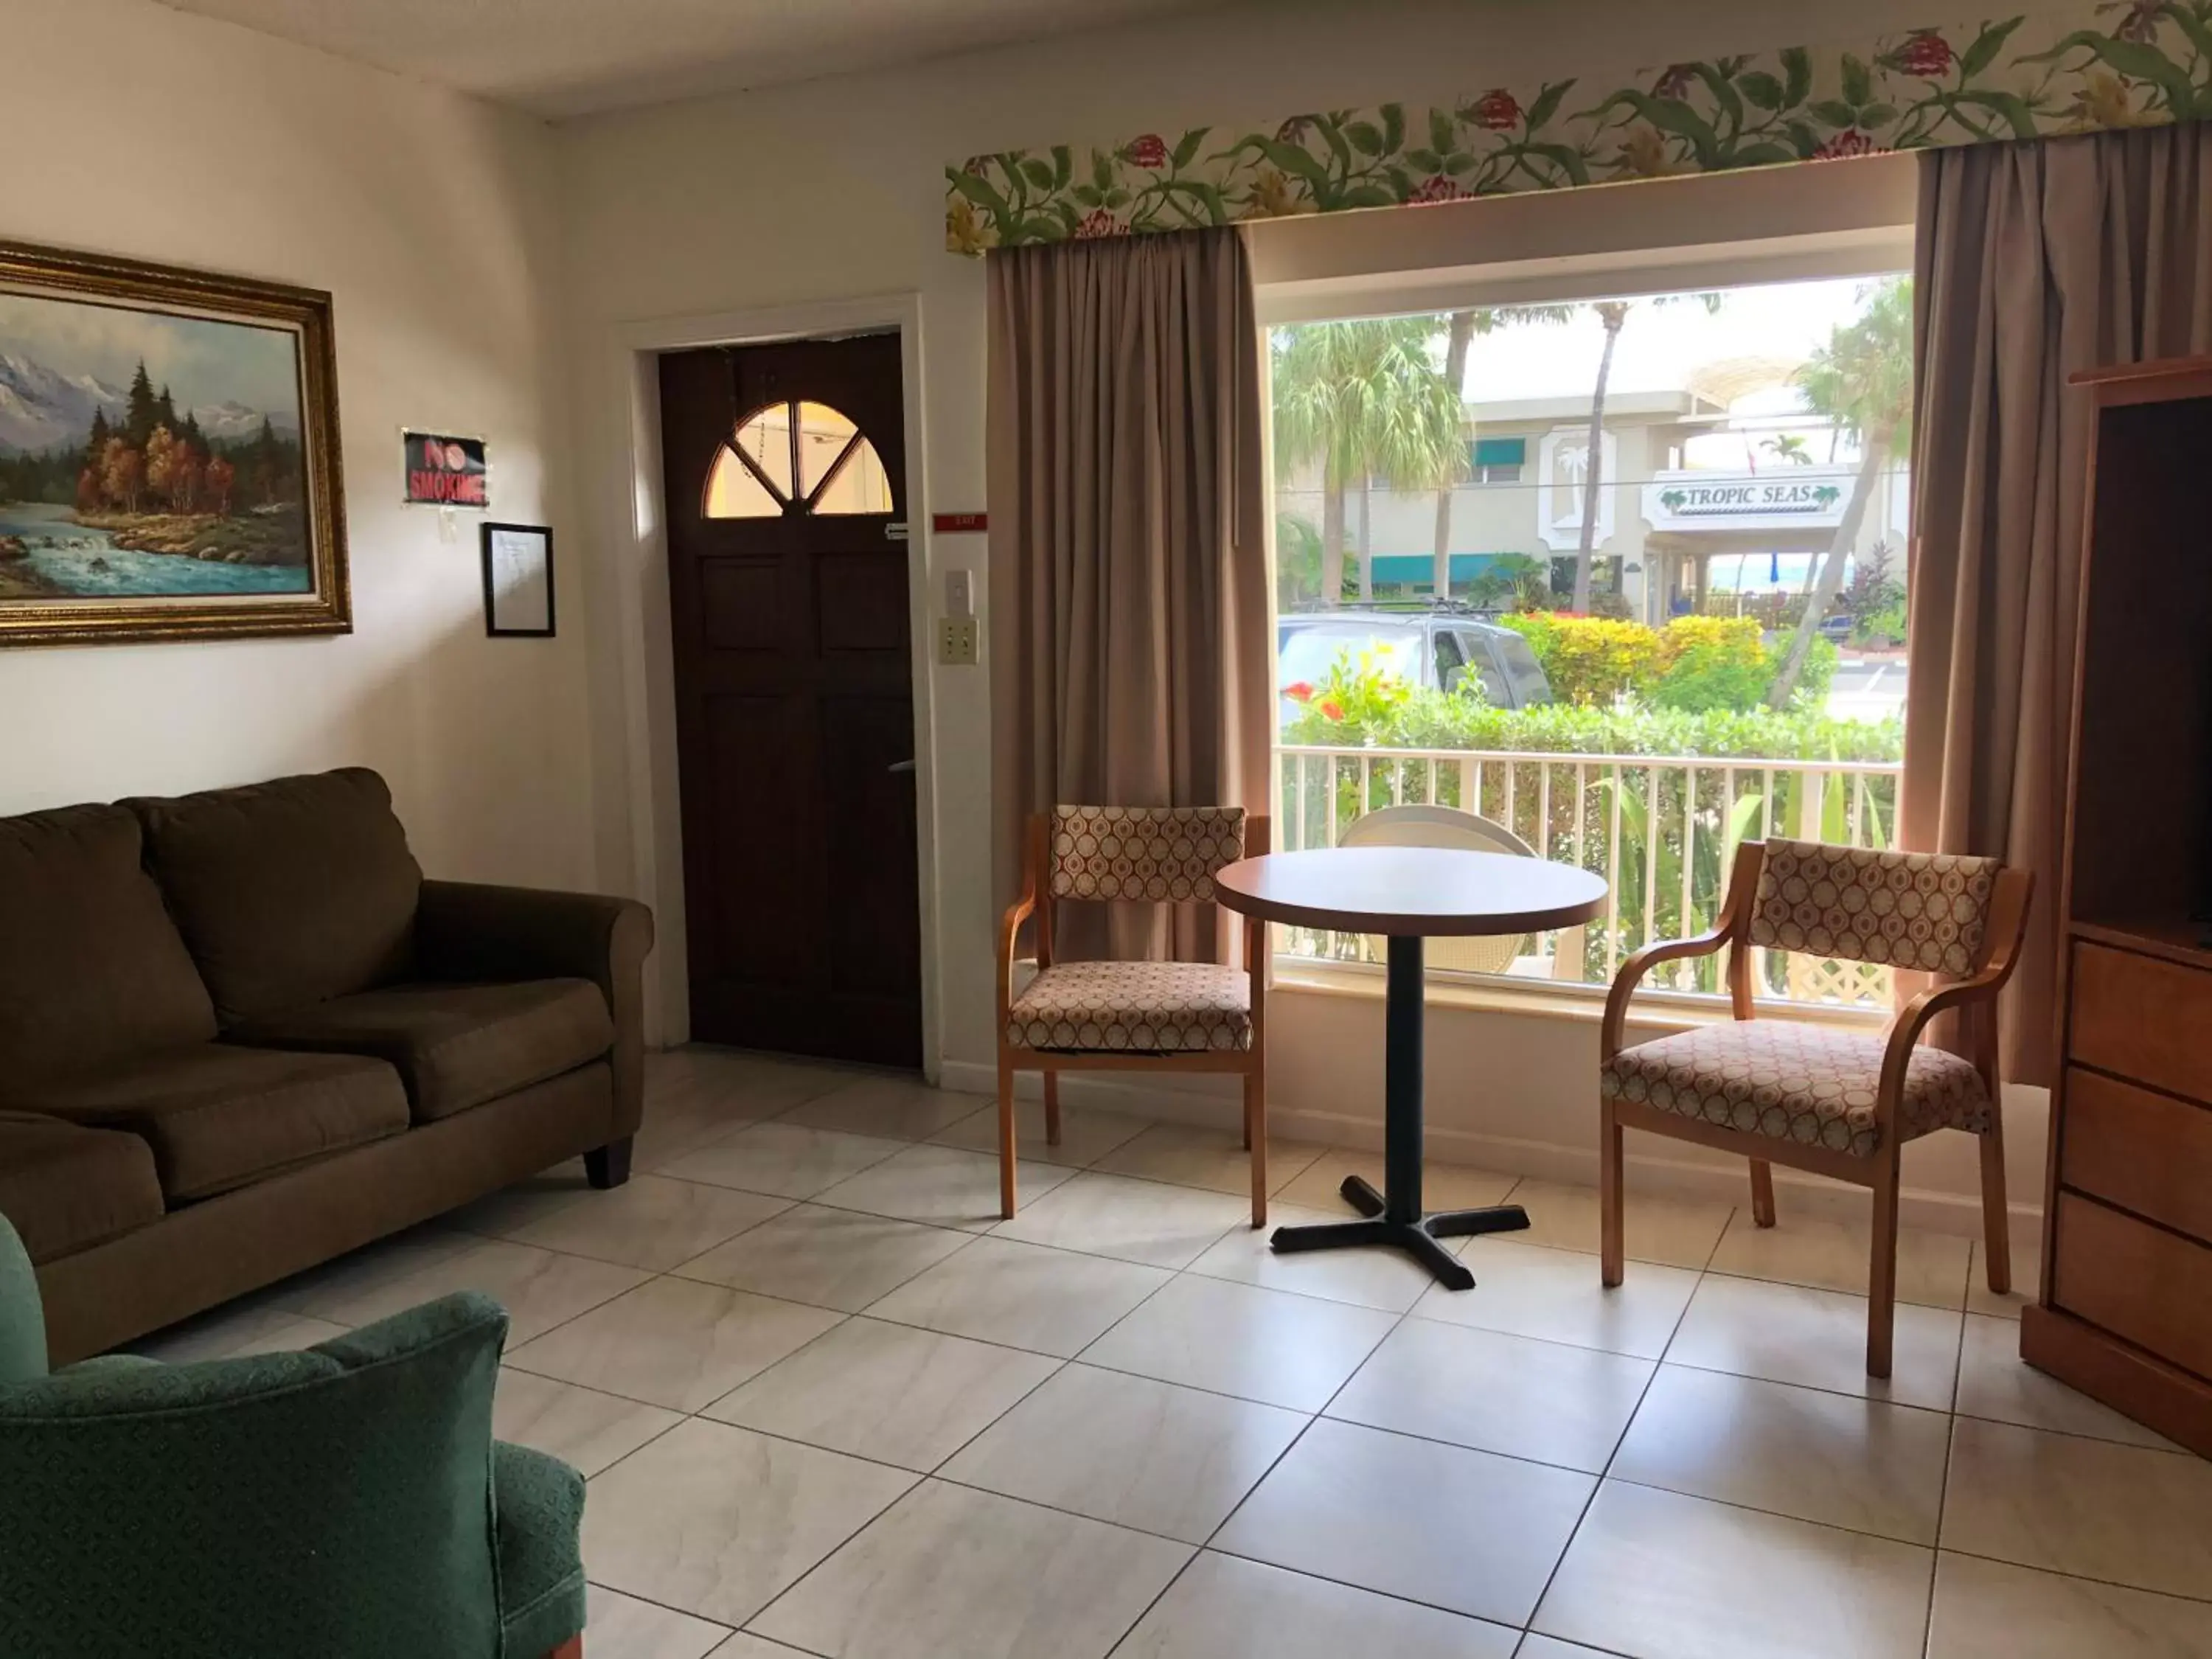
789	608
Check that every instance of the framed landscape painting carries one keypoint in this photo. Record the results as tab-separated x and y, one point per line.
168	454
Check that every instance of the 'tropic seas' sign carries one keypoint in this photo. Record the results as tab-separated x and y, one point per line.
1689	501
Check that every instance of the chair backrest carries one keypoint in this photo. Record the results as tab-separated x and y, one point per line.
1419	826
1924	911
1156	854
335	1502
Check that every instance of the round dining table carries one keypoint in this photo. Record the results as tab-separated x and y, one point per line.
1407	894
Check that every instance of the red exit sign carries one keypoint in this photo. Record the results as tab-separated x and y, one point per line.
959	523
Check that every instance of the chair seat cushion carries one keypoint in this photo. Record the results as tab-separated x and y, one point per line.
65	1188
1161	1007
455	1046
1809	1084
539	1505
218	1117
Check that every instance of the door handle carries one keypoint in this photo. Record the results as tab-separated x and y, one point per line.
902	766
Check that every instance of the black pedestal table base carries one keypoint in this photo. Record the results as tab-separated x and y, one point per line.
1395	1216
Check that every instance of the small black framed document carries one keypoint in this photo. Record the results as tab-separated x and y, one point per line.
518	581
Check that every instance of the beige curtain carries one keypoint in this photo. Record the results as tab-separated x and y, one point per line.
2035	260
1129	613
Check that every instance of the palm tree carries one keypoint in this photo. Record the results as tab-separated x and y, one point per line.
1789	446
1613	315
1465	325
1862	381
1365	399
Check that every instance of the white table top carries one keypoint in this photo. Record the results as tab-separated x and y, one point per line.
1431	891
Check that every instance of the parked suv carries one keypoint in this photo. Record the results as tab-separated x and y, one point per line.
1434	648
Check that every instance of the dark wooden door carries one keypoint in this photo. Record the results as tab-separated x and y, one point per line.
788	594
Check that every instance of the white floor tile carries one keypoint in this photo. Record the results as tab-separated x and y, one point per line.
1546	1400
1387	1280
1658	1576
2126	1514
1996	1382
898	1107
785	1160
619	1627
1289	1351
949	1571
1459	1529
1140	1453
1787	1334
1831	1255
674	1343
650	1221
1225	1607
1556	1296
1146	1221
1024	1295
1086	1134
1673	1232
1806	1453
717	1521
1987	1610
842	1259
578	1426
941	1186
888	1392
1192	1156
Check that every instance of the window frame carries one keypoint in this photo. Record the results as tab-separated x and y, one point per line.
1882	247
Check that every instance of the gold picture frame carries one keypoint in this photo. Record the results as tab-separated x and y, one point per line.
212	507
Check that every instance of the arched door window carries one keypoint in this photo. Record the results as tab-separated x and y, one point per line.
796	458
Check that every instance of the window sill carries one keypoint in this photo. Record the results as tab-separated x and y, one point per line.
1672	1011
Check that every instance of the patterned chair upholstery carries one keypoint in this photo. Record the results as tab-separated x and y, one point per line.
1839	1102
1805	1084
1144	854
1099	1015
1157	1007
1149	854
1913	910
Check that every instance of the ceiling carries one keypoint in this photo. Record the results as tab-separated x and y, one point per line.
565	57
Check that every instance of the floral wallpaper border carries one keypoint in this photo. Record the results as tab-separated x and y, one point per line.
2115	64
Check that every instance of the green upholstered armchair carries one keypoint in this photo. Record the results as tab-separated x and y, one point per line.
345	1502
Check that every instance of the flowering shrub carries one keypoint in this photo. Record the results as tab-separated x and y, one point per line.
1713	662
1589	658
1363	705
1694	663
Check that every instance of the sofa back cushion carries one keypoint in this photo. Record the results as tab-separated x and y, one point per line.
92	970
288	892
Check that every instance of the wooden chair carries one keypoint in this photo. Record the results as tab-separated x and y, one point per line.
1132	1015
1837	1102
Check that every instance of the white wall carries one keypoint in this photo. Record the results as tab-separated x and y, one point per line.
431	219
834	190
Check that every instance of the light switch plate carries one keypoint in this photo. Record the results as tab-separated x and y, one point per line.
956	640
960	592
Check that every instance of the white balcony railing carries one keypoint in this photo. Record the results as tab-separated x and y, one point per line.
1660	829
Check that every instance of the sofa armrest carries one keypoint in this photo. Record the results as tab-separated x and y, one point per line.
470	930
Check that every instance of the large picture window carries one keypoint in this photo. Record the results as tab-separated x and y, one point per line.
1624	578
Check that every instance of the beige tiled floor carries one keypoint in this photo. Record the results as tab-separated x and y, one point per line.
830	1406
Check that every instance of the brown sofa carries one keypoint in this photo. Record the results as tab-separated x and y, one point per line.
240	1035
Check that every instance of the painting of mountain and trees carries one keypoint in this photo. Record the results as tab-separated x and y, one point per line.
168	454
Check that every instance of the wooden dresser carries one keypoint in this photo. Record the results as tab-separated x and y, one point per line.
2125	1314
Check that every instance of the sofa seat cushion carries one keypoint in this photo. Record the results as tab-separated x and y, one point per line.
456	1046
65	1188
218	1116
